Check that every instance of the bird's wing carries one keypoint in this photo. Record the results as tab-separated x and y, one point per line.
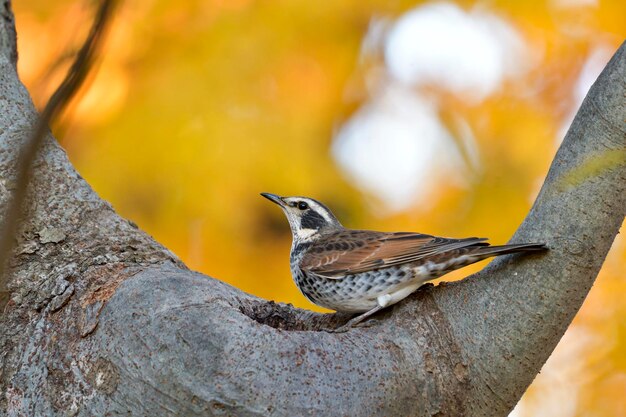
354	251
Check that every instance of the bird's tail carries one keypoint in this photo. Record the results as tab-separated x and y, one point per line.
488	251
475	251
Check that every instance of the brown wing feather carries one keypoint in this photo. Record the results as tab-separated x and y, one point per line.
356	251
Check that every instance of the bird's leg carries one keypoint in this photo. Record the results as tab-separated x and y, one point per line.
361	317
382	300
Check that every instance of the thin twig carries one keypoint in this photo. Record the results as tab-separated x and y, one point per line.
61	97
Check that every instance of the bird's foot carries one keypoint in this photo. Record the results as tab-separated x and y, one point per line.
369	323
350	325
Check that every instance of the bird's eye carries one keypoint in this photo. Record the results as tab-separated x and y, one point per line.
302	205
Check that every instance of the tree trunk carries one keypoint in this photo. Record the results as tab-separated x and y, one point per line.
102	320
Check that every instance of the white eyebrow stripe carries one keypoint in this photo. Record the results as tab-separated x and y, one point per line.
321	210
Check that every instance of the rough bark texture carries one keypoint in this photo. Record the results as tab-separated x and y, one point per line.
105	321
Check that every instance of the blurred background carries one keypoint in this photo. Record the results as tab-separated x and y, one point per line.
439	117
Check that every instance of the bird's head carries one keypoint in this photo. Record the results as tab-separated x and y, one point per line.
307	217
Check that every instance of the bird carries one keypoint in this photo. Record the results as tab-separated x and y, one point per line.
365	271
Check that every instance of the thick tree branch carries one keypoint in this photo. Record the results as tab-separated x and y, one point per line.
525	305
12	216
103	320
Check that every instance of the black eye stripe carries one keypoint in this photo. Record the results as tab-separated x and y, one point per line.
312	220
303	205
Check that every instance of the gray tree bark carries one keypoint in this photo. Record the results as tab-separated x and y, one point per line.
103	320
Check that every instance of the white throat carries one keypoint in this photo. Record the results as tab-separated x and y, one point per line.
302	235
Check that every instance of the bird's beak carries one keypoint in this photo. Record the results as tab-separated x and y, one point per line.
274	198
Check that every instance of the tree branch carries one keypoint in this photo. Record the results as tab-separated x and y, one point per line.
74	79
525	305
103	320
